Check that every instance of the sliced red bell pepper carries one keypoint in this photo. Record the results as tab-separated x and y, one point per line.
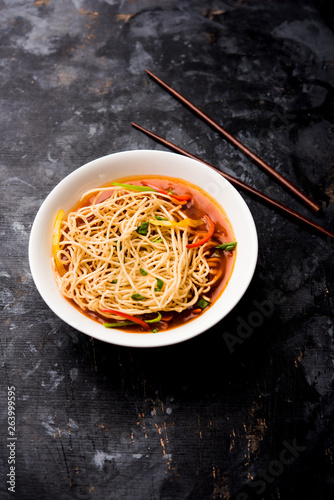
207	236
179	197
127	316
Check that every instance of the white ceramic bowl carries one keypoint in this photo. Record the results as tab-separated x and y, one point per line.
111	167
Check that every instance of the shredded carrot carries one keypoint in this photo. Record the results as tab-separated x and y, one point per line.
216	268
167	318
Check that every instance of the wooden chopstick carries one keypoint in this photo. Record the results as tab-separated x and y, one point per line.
270	170
240	184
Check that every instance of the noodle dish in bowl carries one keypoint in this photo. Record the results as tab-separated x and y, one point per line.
143	248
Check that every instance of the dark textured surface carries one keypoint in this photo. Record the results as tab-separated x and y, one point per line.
210	418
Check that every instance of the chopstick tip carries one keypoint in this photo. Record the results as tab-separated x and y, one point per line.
152	75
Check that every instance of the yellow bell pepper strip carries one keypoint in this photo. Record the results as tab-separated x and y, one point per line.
159	286
56	241
127	316
207	236
171	223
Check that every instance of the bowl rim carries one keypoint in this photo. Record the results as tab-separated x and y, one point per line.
53	298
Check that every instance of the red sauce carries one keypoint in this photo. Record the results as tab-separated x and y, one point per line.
200	204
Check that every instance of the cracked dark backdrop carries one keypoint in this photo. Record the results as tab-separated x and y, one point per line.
211	418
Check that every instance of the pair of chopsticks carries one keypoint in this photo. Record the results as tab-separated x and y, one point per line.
236	182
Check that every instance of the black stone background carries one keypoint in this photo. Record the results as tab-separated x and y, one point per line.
206	419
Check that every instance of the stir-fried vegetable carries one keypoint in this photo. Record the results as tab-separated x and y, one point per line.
126	316
183	198
182	223
118	323
207	236
133	187
137	296
56	241
142	229
227	246
202	303
129	323
179	197
154	320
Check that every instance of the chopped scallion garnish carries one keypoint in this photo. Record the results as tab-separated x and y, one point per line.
202	303
143	272
137	296
142	229
160	283
227	246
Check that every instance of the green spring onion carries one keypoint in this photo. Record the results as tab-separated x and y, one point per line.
142	229
160	284
137	296
119	323
227	246
154	320
202	303
133	187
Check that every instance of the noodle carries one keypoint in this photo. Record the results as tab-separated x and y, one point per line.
110	262
116	259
